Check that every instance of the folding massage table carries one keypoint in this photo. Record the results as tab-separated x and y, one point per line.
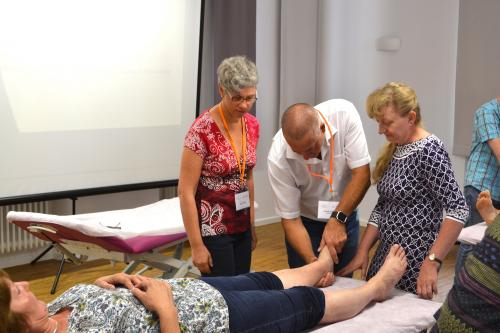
473	234
402	312
134	236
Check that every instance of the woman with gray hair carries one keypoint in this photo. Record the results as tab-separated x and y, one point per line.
216	187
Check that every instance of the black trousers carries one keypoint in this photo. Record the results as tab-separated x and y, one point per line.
231	254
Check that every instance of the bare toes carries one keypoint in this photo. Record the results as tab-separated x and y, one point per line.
394	249
401	252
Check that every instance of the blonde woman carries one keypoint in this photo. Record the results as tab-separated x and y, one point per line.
415	183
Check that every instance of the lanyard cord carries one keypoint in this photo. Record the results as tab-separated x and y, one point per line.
328	179
241	166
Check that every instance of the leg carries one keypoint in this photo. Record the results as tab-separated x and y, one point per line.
290	310
243	252
315	231
344	304
471	194
485	207
221	250
306	275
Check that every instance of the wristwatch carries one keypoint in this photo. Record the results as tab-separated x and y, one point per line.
340	216
432	257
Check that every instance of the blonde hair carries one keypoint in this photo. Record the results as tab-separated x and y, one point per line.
404	100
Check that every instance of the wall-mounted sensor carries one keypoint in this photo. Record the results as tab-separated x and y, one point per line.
388	43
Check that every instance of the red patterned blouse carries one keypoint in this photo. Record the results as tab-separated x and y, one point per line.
220	175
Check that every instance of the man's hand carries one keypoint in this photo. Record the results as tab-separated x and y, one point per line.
334	237
111	281
326	280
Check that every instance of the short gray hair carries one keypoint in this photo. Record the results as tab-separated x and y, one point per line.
236	73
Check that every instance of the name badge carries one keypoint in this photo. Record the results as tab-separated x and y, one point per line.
242	200
325	208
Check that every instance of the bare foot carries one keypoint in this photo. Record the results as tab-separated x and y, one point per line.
389	274
485	207
326	259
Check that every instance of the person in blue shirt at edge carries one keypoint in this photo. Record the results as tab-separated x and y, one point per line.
483	167
473	303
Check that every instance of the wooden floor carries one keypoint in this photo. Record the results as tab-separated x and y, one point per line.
270	255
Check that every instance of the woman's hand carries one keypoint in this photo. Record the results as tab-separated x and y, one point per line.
154	294
202	258
360	261
111	281
427	279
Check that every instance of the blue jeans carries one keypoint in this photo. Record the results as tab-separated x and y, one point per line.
257	302
315	230
471	194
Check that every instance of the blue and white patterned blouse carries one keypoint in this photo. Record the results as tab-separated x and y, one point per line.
417	186
200	307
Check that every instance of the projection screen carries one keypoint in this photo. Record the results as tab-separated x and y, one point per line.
95	93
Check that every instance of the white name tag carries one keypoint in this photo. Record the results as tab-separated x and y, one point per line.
325	208
242	200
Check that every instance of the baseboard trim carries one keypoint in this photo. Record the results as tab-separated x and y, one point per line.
267	220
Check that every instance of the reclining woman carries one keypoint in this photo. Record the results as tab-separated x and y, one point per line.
283	301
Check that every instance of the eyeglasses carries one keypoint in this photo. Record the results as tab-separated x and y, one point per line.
238	99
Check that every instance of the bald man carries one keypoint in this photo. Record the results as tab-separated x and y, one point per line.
318	167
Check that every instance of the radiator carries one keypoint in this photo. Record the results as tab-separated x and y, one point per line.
14	239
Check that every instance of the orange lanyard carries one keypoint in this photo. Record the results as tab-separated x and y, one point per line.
309	168
241	166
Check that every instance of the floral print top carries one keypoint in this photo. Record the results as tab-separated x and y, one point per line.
220	175
200	308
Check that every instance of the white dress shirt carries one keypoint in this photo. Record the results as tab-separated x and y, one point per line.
296	192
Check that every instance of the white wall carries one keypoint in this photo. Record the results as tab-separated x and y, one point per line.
319	49
330	45
344	64
426	60
267	61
